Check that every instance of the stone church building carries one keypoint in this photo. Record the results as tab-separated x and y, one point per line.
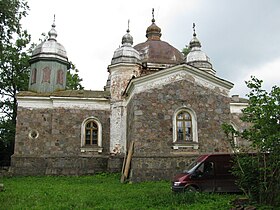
172	108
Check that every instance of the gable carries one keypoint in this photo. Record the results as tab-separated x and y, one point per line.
174	74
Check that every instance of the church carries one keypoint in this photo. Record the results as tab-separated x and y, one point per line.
170	106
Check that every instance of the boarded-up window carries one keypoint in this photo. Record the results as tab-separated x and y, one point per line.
46	75
33	76
59	78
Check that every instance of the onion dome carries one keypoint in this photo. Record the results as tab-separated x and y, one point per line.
127	39
50	49
153	31
196	57
126	53
156	53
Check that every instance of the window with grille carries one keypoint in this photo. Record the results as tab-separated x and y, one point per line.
91	133
184	126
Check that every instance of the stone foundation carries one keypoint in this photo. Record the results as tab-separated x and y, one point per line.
145	168
26	166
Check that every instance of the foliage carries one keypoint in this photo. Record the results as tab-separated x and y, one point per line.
103	191
11	12
186	50
73	79
259	173
13	70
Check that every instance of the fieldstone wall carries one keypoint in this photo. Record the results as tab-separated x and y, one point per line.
48	141
65	165
150	124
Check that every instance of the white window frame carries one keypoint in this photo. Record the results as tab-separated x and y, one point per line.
194	142
235	140
91	148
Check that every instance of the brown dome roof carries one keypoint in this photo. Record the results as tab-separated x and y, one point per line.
156	51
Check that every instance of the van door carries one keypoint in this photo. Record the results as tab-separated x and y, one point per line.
204	177
225	181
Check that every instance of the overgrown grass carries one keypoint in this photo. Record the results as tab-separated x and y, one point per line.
102	191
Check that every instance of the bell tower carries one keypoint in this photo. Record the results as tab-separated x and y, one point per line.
49	64
124	66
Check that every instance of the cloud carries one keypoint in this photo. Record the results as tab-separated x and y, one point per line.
268	72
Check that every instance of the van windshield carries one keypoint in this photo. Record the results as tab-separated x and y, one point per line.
191	167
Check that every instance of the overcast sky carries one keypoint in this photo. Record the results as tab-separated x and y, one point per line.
241	37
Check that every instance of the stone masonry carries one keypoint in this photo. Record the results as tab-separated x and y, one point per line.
150	124
55	147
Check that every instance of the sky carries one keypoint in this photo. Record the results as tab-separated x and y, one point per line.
241	37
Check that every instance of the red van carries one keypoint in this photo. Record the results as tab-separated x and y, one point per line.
209	173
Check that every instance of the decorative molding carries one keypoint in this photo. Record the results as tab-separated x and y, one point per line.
177	73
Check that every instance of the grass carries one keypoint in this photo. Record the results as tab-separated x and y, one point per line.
102	191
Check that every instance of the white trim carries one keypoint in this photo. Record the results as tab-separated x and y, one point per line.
194	142
99	141
51	102
237	107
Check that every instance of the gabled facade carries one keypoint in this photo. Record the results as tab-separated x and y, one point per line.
170	106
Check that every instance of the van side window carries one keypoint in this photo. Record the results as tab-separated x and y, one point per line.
206	168
209	168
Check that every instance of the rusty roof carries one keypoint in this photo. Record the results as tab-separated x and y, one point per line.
157	51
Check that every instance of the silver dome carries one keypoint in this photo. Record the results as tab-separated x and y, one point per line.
197	58
126	53
50	48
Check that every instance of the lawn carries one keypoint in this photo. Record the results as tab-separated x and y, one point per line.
102	191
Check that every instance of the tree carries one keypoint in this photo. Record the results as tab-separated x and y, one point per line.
259	173
186	50
13	70
11	12
73	81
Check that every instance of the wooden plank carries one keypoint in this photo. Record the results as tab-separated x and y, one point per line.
124	160
127	162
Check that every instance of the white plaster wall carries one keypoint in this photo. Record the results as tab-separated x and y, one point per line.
63	102
118	126
237	107
120	77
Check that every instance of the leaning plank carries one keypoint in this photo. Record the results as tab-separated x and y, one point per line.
124	160
128	161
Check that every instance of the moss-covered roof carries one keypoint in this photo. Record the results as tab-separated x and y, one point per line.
69	93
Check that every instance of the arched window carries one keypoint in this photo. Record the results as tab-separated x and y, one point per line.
91	135
91	131
185	128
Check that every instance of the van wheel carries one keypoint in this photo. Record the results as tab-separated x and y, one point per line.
190	189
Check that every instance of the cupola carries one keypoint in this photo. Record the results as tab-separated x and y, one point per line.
49	64
126	53
196	57
156	54
153	31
